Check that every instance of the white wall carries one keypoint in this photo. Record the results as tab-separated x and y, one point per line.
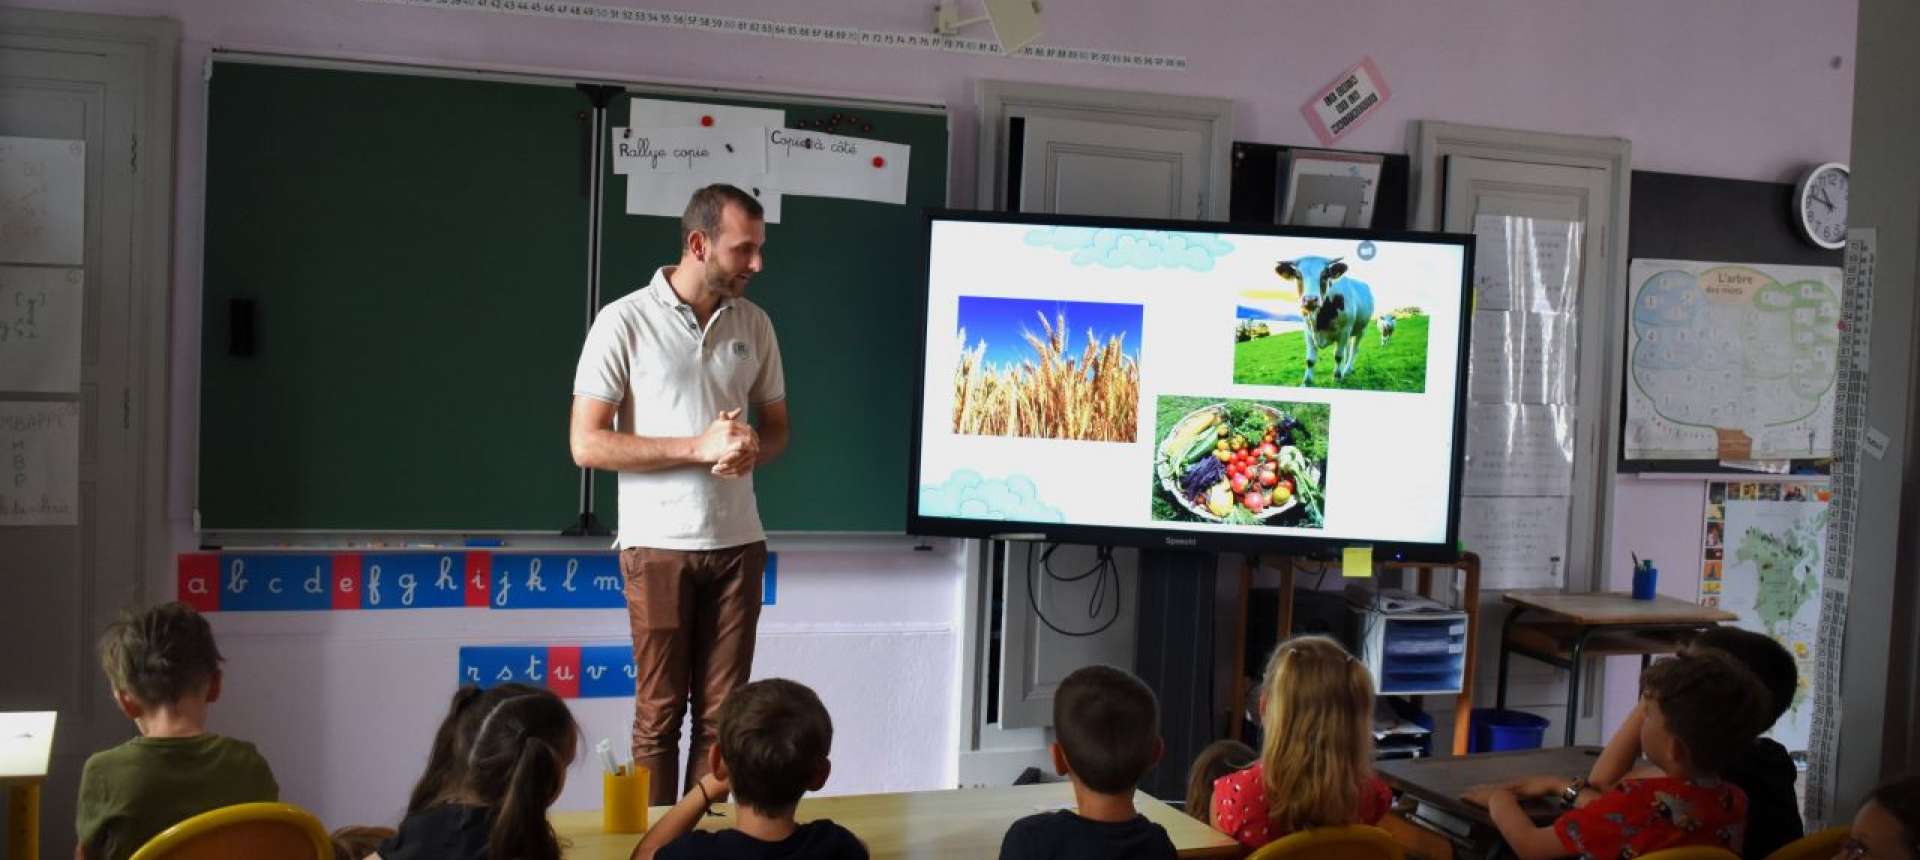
343	704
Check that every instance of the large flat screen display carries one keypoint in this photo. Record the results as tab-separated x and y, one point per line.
1191	384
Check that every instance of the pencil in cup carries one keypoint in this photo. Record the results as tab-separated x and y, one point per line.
623	800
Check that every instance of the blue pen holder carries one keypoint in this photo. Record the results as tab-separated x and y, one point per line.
1645	581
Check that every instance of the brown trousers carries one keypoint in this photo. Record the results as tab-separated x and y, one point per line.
693	615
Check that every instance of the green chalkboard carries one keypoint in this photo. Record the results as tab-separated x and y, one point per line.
843	284
394	299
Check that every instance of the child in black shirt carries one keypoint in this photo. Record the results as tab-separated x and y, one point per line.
1107	729
773	744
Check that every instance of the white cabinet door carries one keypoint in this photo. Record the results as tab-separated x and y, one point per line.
1081	167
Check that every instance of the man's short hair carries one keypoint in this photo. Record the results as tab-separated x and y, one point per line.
1712	703
1107	723
160	654
774	735
1765	657
705	208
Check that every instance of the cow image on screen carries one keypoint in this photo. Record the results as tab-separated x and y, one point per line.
1337	310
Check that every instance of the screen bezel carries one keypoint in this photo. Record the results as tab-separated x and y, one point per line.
1153	538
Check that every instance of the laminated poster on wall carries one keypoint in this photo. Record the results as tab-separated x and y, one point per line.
1730	361
40	316
40	475
1763	549
43	186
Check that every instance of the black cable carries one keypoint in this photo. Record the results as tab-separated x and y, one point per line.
1103	565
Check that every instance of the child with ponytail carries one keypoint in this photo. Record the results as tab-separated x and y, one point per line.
1316	756
498	761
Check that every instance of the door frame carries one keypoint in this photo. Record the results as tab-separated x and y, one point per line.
152	44
1431	142
1211	117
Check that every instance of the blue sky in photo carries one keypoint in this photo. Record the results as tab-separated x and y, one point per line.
1000	323
1252	313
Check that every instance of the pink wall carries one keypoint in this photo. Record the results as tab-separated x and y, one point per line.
1741	88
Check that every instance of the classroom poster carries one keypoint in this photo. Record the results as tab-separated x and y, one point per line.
1763	549
40	472
1731	362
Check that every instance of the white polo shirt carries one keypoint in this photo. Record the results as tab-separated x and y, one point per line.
648	354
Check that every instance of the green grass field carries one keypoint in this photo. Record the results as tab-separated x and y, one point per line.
1282	360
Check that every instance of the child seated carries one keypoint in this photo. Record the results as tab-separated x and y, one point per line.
1888	824
1106	727
1764	771
1316	756
499	760
1699	712
165	672
1220	758
772	748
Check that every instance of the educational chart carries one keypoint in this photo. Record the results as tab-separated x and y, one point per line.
1258	385
382	579
42	200
40	311
1517	490
671	149
1731	361
1765	548
40	472
570	671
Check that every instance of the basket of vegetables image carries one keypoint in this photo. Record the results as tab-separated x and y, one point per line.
1240	463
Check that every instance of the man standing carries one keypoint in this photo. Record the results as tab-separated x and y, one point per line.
661	396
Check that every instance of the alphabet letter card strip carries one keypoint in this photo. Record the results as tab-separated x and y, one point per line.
327	580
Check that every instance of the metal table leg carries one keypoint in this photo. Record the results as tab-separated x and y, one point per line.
1573	681
1500	682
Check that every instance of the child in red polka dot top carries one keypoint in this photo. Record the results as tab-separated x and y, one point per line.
1316	758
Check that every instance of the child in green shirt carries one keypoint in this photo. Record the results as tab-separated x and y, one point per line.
165	672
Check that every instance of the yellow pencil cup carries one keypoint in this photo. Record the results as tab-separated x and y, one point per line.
623	801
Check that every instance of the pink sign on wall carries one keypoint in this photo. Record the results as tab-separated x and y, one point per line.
1348	100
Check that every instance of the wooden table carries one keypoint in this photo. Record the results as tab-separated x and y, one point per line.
965	823
1568	628
1468	569
26	742
1436	785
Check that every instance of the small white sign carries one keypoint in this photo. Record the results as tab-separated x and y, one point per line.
695	150
40	314
1875	443
1352	97
43	185
832	165
39	464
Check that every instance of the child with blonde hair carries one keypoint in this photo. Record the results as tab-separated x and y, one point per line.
1316	756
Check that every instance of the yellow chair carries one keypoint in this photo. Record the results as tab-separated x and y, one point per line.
276	830
1813	846
1692	852
1352	842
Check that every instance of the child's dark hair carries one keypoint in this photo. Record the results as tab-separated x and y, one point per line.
1108	724
516	765
447	758
1217	760
774	738
1901	799
1766	658
1712	703
159	654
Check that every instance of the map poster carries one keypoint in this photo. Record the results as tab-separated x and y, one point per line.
1731	362
1764	549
